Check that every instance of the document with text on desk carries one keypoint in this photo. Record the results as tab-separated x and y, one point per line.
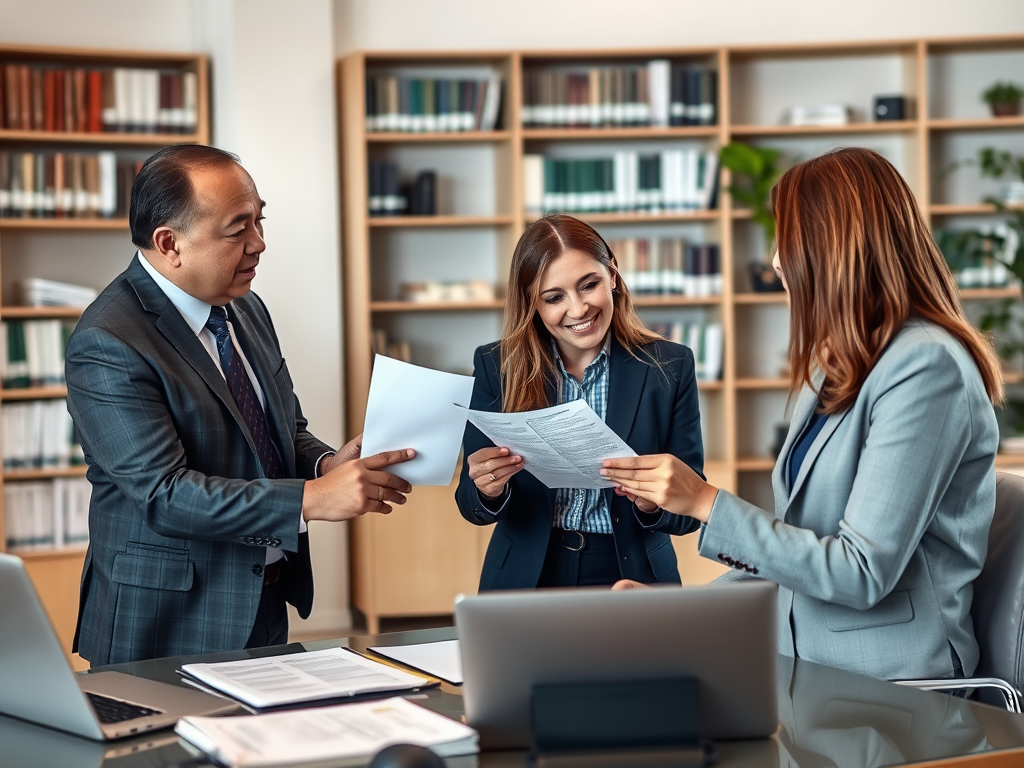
274	681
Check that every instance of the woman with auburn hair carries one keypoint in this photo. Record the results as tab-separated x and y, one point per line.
571	332
885	487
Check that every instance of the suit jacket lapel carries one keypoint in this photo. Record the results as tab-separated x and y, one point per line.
174	328
806	403
626	377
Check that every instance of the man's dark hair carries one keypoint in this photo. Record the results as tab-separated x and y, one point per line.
163	194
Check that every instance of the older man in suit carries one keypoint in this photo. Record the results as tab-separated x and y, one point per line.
203	472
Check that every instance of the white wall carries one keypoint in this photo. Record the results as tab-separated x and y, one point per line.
560	24
272	67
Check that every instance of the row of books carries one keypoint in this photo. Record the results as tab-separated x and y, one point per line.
117	100
668	266
32	352
47	514
674	180
38	434
65	184
384	345
425	105
658	93
705	340
40	292
390	196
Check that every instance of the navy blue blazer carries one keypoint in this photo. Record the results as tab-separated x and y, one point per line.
654	411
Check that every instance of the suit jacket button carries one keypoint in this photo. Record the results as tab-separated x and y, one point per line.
753	570
257	569
275	542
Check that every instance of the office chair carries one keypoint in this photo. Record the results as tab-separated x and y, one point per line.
998	608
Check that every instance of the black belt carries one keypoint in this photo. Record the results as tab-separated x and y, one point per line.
577	541
274	572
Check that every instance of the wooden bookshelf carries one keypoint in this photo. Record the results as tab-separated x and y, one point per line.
56	571
756	84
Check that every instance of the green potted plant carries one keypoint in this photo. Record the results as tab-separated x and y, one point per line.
1004	98
754	172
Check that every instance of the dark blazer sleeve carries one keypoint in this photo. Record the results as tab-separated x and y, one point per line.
486	397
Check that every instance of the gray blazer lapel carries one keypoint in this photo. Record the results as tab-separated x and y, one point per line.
174	328
263	367
830	427
802	413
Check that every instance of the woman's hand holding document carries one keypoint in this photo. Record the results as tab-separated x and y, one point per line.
562	446
414	407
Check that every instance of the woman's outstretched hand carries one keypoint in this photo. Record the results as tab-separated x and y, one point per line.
661	480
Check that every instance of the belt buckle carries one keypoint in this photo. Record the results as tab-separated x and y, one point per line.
583	542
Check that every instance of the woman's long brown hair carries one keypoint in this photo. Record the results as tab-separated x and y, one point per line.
528	367
859	261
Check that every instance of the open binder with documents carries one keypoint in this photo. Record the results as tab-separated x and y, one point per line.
276	681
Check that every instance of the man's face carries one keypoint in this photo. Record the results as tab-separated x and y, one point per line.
219	253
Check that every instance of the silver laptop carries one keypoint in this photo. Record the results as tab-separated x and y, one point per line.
38	684
722	634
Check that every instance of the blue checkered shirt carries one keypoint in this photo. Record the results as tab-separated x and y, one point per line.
584	509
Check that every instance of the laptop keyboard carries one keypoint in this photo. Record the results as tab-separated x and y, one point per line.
115	711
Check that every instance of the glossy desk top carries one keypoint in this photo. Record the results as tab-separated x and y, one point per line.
827	717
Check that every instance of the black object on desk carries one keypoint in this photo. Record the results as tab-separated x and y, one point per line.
406	756
618	723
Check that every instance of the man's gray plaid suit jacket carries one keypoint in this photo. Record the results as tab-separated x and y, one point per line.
181	512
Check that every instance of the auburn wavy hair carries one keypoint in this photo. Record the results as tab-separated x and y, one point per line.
528	366
859	261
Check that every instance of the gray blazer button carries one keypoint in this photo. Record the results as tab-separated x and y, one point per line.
257	569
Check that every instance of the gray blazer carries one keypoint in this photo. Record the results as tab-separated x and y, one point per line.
181	513
877	544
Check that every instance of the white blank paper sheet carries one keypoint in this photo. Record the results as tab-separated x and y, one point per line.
441	659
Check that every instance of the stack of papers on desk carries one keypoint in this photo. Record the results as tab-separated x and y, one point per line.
346	734
274	681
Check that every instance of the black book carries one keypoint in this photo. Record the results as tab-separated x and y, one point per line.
691	95
708	96
376	199
423	194
677	104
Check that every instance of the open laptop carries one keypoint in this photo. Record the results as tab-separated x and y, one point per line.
722	634
38	684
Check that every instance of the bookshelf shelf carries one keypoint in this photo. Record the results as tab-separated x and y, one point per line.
400	222
440	137
755	85
755	464
33	393
640	218
54	77
65	224
604	134
982	294
775	383
892	126
57	553
440	306
44	474
39	313
983	124
1009	460
966	209
676	301
116	139
772	297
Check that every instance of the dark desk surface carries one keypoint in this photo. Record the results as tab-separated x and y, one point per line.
827	717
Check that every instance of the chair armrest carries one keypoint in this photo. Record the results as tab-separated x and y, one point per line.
1011	696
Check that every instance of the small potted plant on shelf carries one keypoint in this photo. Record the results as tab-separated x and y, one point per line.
754	172
1004	99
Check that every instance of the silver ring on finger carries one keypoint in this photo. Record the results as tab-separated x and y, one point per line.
493	478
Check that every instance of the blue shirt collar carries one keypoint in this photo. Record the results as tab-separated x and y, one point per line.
195	311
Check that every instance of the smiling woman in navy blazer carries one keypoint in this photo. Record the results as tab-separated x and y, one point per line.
885	489
571	332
